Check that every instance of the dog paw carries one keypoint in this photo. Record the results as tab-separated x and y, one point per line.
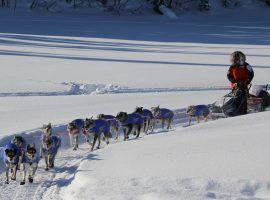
13	178
47	169
6	182
30	180
22	183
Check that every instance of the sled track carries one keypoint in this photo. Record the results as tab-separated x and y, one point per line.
86	89
47	183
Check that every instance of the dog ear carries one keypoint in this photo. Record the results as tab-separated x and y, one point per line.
91	117
6	151
28	146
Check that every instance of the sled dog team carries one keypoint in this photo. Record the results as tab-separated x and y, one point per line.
20	155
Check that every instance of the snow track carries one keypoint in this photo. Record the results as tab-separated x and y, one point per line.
73	88
46	184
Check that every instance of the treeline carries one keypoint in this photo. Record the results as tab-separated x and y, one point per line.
125	5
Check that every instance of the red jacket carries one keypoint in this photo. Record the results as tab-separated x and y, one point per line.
240	74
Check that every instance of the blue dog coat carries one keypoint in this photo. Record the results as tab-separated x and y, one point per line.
201	110
111	119
79	123
15	159
165	113
56	143
134	118
27	160
148	113
101	126
22	148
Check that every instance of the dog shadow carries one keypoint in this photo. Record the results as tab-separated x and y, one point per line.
70	170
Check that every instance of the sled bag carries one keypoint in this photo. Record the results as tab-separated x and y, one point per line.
237	104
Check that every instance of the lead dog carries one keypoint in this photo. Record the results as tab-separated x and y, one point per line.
114	123
98	127
198	111
11	159
20	142
164	115
50	146
148	118
129	122
30	163
76	127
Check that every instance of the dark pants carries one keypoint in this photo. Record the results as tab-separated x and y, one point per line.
241	101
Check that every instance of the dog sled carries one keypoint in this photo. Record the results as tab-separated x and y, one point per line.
239	102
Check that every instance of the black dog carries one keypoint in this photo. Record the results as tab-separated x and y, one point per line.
129	122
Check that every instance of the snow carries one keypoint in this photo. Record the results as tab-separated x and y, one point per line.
224	158
56	67
45	48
